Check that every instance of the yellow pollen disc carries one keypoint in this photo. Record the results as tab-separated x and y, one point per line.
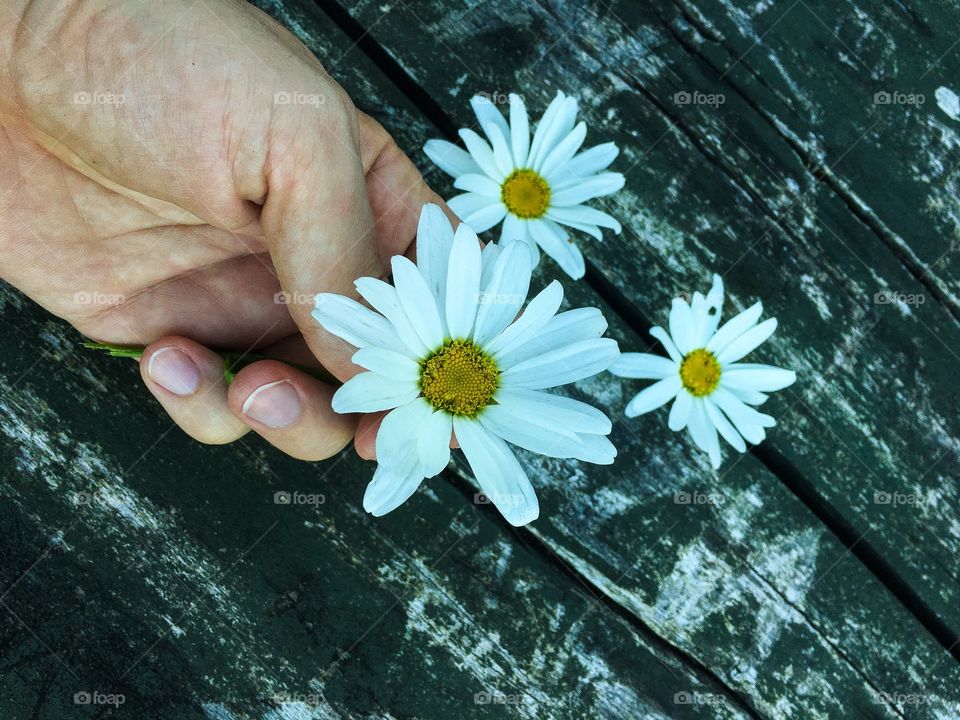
525	194
459	378
700	372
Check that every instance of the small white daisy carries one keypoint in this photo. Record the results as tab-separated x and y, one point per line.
534	188
713	391
446	353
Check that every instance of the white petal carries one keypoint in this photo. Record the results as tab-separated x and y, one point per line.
451	159
434	240
498	472
389	489
537	314
562	366
535	438
581	214
580	190
590	161
471	203
484	219
543	126
562	329
385	299
501	151
417	301
747	342
596	449
563	152
660	334
389	363
398	433
749	376
513	229
703	432
358	325
481	152
682	327
750	397
369	392
463	283
706	312
479	184
748	422
433	443
487	114
643	366
489	255
505	294
735	327
519	131
547	410
551	130
680	411
724	426
650	398
557	244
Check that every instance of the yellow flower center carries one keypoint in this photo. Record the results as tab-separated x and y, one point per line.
526	194
459	378
700	372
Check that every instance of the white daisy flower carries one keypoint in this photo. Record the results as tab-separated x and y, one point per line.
446	353
534	188
711	391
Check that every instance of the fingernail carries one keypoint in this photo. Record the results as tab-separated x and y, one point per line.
173	370
276	404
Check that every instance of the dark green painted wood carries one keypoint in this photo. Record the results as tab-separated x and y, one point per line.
734	601
140	563
720	188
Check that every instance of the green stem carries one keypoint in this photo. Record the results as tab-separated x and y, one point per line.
233	362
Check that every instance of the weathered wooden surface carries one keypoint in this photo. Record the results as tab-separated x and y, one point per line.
184	587
748	599
725	188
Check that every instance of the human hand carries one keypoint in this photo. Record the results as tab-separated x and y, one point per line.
153	191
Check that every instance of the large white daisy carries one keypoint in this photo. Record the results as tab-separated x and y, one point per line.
711	391
446	353
533	187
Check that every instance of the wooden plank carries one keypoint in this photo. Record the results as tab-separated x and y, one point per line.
747	586
716	188
139	563
874	85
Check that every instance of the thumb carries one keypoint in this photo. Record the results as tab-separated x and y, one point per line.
317	219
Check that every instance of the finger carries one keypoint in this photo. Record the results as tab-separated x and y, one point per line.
290	409
317	218
396	189
365	440
187	379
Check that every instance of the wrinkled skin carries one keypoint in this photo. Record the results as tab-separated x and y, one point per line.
155	189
